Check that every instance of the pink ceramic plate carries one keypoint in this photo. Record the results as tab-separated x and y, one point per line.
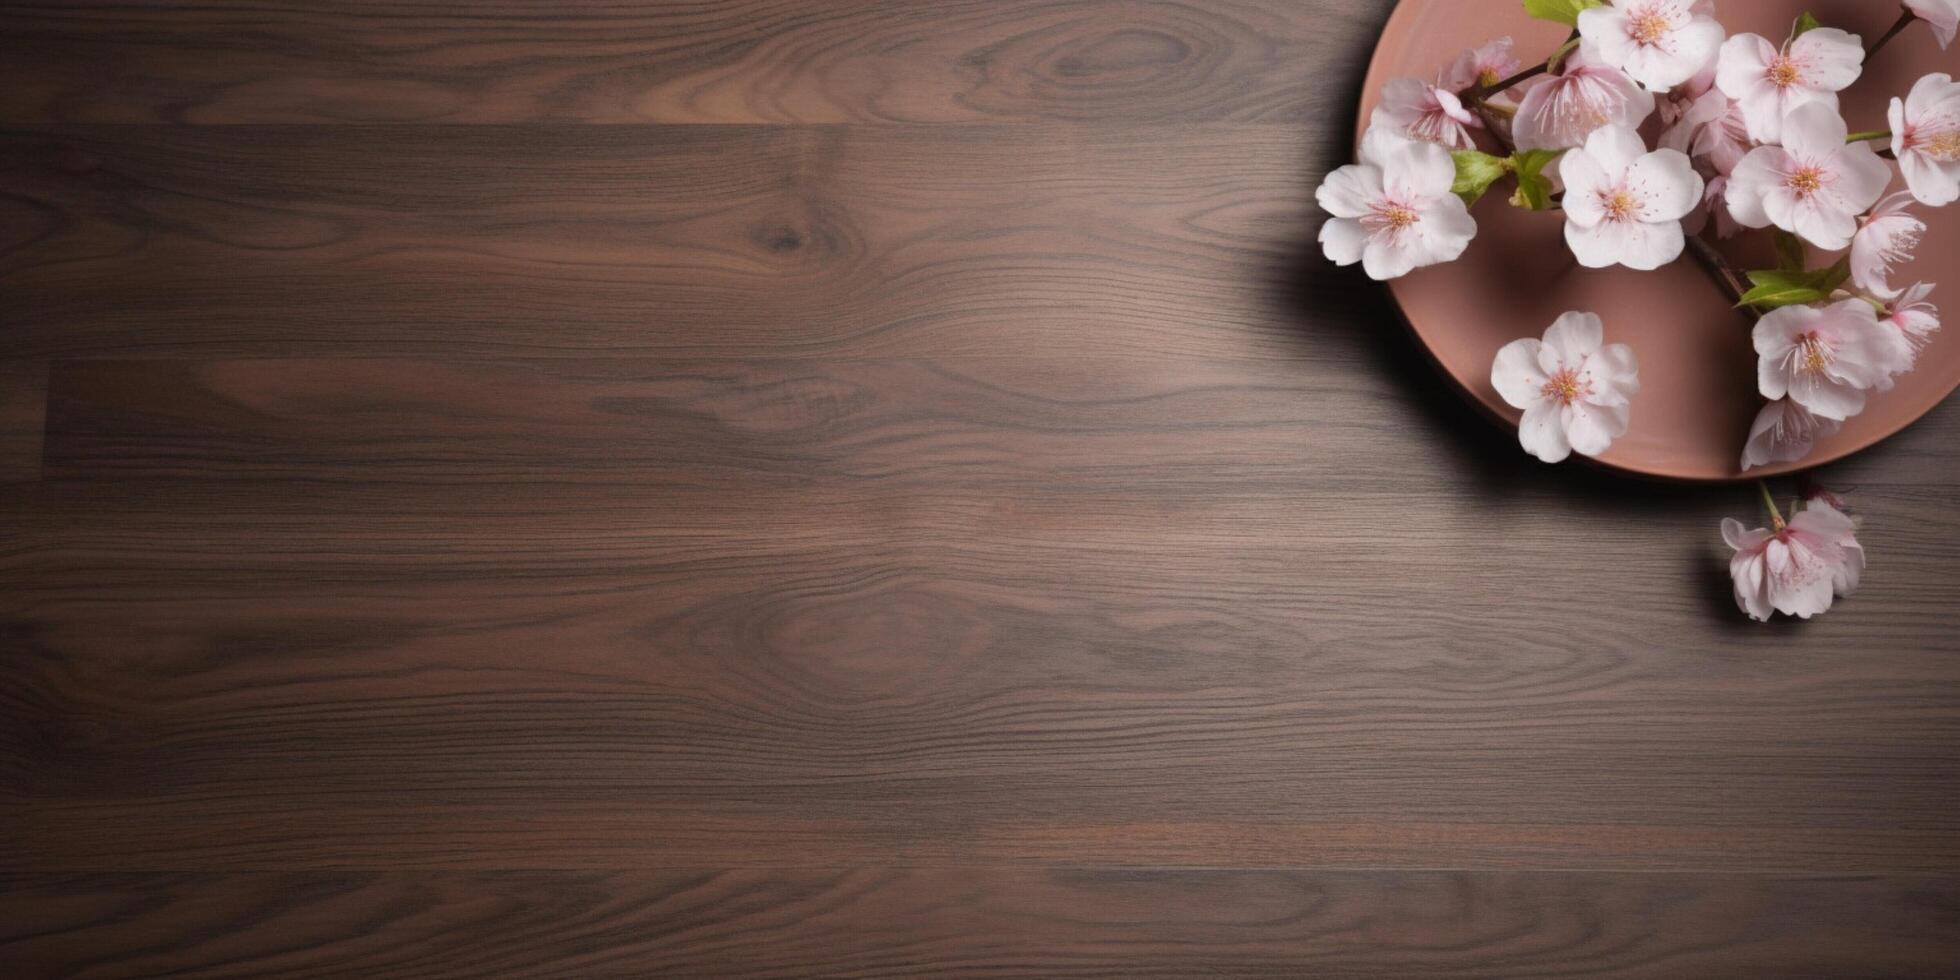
1697	368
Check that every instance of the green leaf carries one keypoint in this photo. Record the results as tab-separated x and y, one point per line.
1475	172
1775	288
1806	22
1563	11
1533	194
1776	294
1789	252
1534	188
1534	162
1836	275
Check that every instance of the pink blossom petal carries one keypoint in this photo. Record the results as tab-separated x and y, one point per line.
1516	374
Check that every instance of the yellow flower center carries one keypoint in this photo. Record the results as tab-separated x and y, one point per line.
1488	77
1807	181
1564	387
1814	356
1395	216
1945	147
1620	205
1785	73
1649	28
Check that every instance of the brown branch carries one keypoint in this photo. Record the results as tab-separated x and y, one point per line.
1725	274
1905	20
1478	93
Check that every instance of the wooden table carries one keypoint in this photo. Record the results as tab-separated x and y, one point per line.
875	487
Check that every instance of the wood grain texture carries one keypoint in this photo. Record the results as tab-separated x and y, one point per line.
832	673
966	922
942	518
740	61
668	240
23	418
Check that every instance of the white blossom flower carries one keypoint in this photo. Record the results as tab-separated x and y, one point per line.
1680	100
1624	205
1814	185
1784	432
1884	242
1926	139
1798	568
1724	141
1484	65
1394	212
1421	111
1826	358
1712	132
1910	313
1659	43
1576	395
1768	83
1942	15
1560	111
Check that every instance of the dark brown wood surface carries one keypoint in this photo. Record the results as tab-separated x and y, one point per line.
875	487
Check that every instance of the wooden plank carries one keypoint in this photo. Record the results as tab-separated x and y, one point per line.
738	61
208	676
668	240
1076	922
23	418
1137	426
1088	425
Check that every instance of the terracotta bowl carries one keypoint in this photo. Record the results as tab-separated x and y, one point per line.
1697	368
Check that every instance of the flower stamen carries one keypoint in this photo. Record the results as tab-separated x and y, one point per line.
1806	181
1785	72
1620	205
1391	215
1566	387
1649	28
1813	355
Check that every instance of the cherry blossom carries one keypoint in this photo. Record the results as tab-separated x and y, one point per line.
1560	111
1394	212
1768	83
1711	130
1678	101
1711	208
1784	432
1797	568
1485	65
1926	139
1942	15
1910	313
1814	185
1715	207
1624	205
1658	43
1576	395
1844	580
1826	358
1724	141
1886	241
1422	111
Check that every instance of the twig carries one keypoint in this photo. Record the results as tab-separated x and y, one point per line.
1478	93
1905	20
1730	278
